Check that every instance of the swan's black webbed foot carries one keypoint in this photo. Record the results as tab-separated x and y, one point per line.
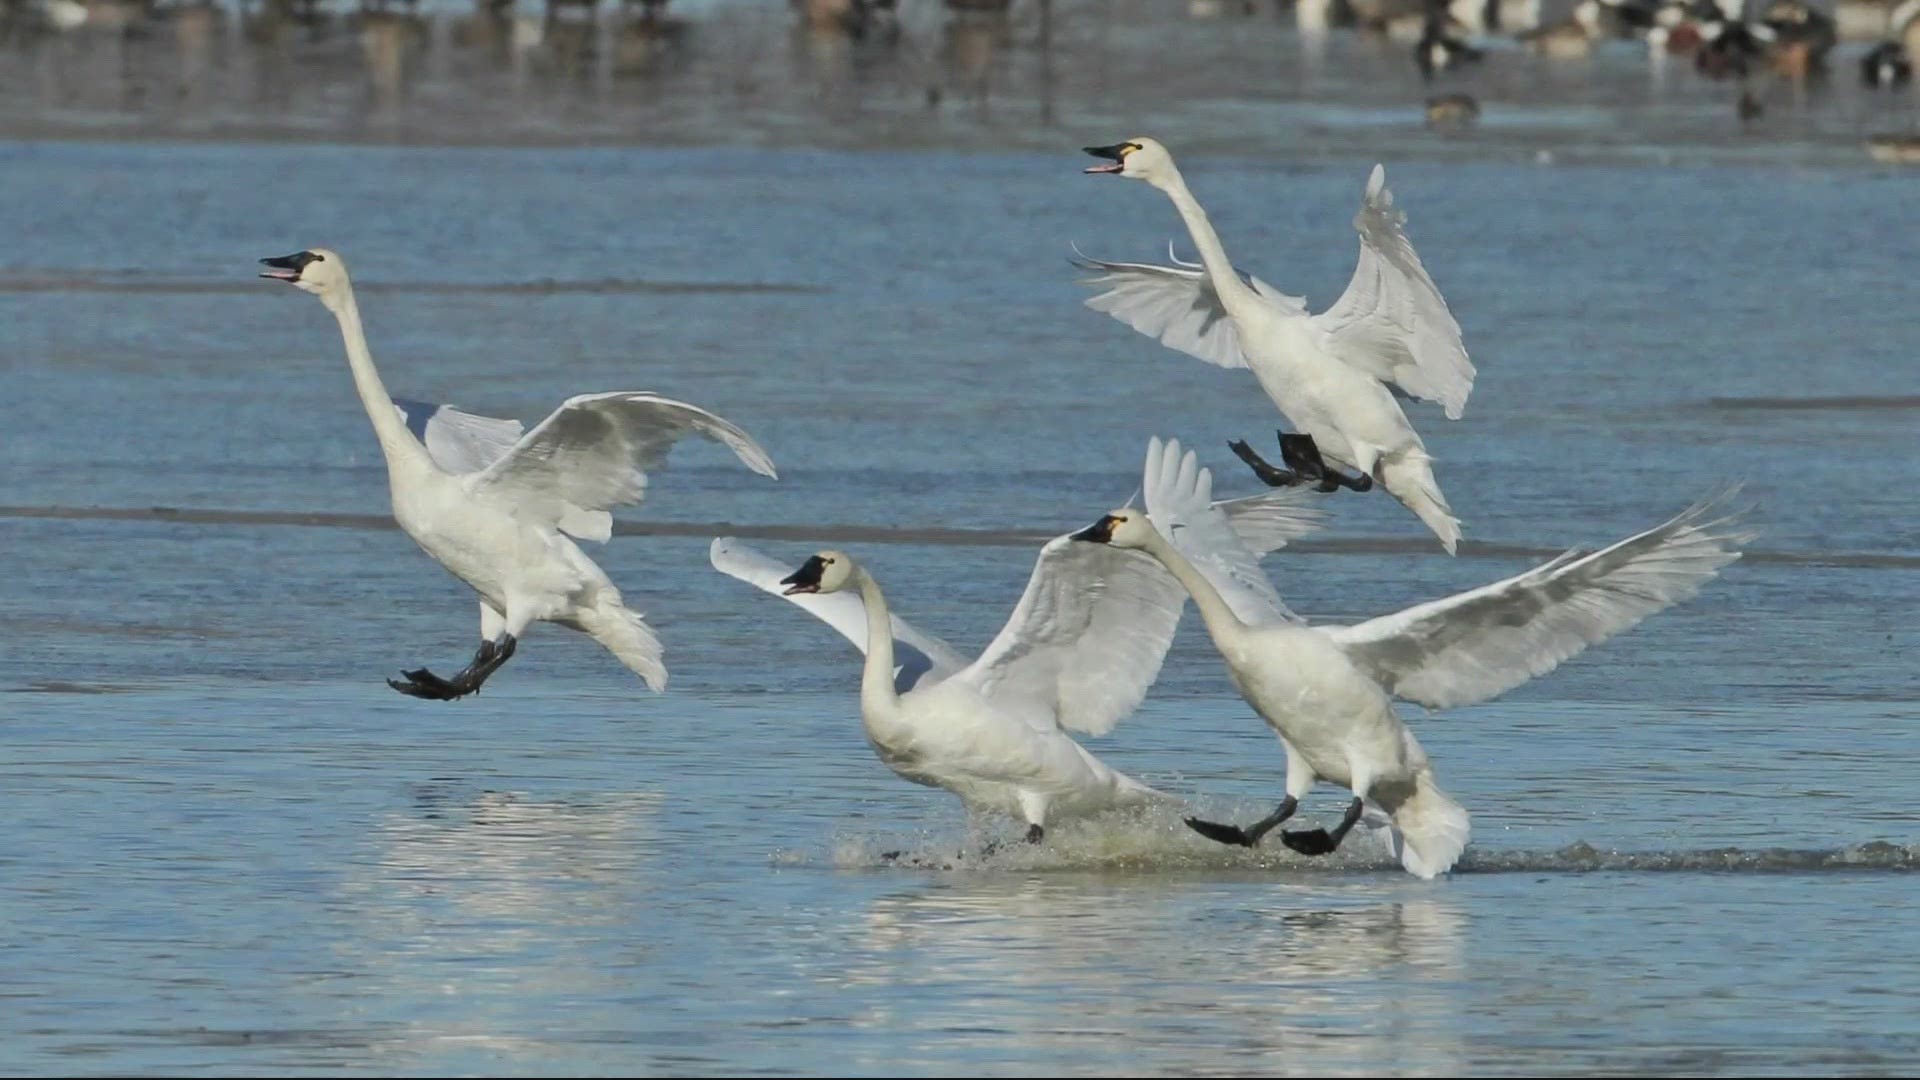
1250	837
1302	455
422	683
1310	841
1320	841
1220	834
992	847
1263	469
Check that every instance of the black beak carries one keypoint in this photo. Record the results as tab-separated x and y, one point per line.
1100	532
287	267
1115	153
806	579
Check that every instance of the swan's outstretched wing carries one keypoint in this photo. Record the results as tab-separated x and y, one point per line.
1176	305
1088	636
918	658
594	452
1482	643
459	442
1267	522
1086	640
1391	322
1202	531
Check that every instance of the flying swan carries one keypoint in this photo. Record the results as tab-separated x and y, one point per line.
1079	653
1327	690
1328	373
501	510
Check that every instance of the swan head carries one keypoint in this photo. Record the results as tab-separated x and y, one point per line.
318	271
1123	528
1136	159
827	572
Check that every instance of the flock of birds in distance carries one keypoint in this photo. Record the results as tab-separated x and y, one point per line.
1791	39
502	510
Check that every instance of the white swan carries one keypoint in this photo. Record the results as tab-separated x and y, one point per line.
1328	373
499	510
1327	691
1079	653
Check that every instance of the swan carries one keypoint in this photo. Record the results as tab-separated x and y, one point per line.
1328	373
501	510
1082	647
1328	691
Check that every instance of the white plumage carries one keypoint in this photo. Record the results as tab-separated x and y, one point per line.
1078	654
1333	375
500	509
1326	691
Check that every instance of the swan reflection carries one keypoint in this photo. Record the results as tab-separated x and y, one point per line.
1178	975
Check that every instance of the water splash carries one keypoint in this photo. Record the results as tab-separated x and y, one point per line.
1159	842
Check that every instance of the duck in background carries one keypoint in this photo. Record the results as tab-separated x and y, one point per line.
1886	66
1802	37
1571	38
1452	112
1440	48
1728	47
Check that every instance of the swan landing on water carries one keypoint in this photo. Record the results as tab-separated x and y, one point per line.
501	510
1329	374
1328	691
1078	655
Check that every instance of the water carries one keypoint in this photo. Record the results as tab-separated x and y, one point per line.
230	849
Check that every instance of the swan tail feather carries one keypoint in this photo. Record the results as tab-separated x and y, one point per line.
1132	792
624	634
1408	477
1432	829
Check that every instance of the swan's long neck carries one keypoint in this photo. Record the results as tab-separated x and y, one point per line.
399	445
1233	291
1222	624
876	679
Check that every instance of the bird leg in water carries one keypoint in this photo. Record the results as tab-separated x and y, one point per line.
1034	835
987	850
422	683
1234	834
1320	841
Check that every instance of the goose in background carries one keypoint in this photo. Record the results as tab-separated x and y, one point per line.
501	510
1083	646
1333	375
1328	691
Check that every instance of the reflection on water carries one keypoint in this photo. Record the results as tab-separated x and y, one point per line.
1161	968
473	902
496	857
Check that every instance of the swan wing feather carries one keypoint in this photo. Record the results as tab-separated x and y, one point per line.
1392	322
458	441
1175	305
919	658
1179	502
1090	632
594	453
1478	644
